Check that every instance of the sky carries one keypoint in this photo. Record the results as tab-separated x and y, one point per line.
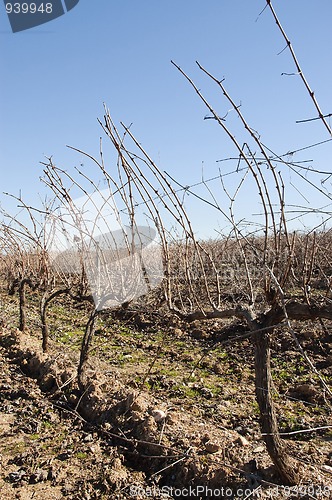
56	77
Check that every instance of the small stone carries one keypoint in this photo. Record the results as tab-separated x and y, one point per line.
178	332
217	368
198	334
158	415
242	441
39	476
88	438
212	447
15	477
139	405
305	391
259	449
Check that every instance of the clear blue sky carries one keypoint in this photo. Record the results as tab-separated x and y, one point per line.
55	78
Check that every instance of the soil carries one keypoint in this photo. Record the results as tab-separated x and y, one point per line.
168	411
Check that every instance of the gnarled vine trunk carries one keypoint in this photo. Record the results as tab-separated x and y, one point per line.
22	305
86	342
43	314
22	301
276	448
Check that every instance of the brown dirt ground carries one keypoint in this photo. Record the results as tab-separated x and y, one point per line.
152	427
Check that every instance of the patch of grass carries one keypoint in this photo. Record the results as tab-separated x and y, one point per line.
35	436
15	448
255	408
291	422
72	338
46	424
221	354
290	370
187	391
169	371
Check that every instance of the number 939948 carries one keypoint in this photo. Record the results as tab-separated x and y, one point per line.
29	8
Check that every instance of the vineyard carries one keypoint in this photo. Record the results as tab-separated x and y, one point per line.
162	401
139	360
